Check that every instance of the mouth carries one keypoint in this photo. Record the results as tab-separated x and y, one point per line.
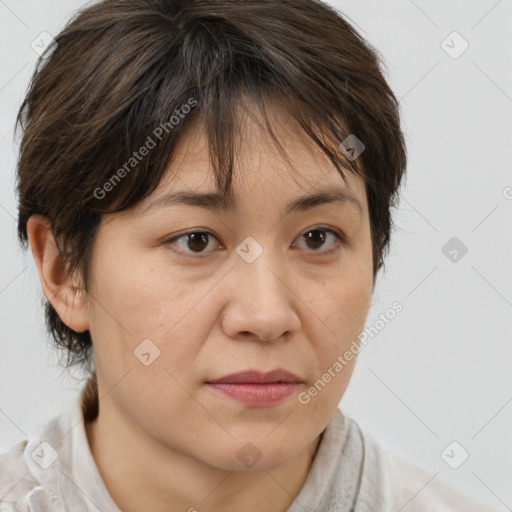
257	377
255	388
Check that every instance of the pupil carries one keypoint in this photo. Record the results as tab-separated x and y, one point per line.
319	241
198	238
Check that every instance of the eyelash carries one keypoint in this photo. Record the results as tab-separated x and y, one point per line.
340	241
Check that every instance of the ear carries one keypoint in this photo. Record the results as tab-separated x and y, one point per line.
63	293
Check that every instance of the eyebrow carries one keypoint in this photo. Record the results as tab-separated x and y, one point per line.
224	203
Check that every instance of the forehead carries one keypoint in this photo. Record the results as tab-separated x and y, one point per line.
260	170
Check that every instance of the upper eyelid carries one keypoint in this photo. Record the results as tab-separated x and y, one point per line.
200	230
341	238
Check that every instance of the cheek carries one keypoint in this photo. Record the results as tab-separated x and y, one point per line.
353	304
135	301
346	309
343	305
345	300
131	285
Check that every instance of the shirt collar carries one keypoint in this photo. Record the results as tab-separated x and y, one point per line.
68	435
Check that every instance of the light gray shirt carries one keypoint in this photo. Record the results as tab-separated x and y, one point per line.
54	470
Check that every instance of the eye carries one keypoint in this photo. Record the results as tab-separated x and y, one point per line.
316	238
196	241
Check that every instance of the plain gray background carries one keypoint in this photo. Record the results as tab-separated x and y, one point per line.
440	371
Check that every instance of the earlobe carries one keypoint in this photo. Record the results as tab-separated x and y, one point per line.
63	292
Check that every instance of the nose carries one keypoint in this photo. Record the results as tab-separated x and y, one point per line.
261	302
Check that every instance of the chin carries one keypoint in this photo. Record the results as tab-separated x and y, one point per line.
255	455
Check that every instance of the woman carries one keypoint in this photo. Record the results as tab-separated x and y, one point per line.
206	190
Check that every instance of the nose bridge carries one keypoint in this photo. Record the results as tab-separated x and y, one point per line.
261	301
261	269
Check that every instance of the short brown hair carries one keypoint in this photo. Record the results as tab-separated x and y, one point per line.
118	73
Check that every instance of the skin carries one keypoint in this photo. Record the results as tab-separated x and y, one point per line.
211	316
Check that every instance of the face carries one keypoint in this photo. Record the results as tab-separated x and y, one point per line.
182	295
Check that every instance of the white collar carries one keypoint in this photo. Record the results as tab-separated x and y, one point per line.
348	472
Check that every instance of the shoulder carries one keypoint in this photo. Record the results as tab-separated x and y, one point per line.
36	474
16	480
391	483
31	471
414	488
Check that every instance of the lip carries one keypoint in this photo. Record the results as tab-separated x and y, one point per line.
257	377
257	389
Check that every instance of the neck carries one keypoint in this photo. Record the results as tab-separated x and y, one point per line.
161	479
